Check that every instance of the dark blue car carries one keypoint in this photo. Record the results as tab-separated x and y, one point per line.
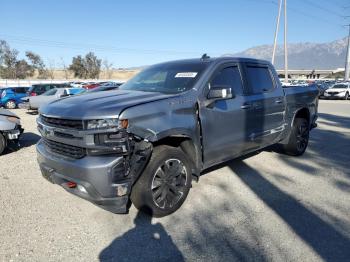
10	97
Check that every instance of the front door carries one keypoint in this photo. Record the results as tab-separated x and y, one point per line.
223	121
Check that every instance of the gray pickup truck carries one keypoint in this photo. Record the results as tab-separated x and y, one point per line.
144	143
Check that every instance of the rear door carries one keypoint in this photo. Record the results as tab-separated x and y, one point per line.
266	96
223	125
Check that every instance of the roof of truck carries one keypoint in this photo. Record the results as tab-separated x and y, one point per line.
217	59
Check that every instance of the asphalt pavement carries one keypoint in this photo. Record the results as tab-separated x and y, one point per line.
265	207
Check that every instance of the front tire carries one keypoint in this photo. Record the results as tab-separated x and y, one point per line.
164	185
346	96
2	143
10	104
299	138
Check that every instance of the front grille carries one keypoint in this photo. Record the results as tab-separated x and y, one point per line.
64	135
333	93
65	123
64	149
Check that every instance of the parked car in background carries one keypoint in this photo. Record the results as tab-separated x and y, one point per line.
10	128
322	87
338	91
11	96
111	83
35	102
39	89
91	85
76	84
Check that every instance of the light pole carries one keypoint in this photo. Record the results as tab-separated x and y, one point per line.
285	44
276	32
347	62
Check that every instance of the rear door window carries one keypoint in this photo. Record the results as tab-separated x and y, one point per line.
260	79
20	90
39	89
49	87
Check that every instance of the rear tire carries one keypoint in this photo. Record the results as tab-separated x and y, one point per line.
299	138
164	185
2	143
10	104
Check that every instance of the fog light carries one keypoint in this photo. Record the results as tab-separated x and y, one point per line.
122	189
82	189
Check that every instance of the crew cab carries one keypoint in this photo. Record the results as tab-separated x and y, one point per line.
146	141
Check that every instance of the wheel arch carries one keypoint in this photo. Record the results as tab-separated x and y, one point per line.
187	145
302	113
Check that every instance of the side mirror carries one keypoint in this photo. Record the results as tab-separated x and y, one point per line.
220	92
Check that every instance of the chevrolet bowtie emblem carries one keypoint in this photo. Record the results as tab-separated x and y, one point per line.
47	131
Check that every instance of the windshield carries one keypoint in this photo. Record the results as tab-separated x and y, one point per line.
169	78
50	92
340	86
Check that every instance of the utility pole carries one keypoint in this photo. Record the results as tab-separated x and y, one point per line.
347	62
276	32
285	44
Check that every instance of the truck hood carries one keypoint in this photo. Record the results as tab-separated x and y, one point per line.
98	105
5	112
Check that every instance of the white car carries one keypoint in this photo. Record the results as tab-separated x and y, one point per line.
338	90
77	84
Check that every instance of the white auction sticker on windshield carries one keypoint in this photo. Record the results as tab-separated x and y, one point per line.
186	74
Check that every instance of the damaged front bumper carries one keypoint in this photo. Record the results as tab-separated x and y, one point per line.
96	179
14	134
98	165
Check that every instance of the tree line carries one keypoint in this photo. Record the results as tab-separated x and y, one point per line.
13	67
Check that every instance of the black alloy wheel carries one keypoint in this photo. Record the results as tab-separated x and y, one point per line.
164	184
168	184
302	136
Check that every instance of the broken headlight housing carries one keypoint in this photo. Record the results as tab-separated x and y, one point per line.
102	123
110	143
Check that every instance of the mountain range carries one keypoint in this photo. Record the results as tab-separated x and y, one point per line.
303	55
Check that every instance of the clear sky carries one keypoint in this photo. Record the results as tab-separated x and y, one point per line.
142	32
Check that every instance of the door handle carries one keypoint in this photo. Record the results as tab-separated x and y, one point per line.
258	106
246	106
278	101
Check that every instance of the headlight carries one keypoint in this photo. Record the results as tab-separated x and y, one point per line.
102	123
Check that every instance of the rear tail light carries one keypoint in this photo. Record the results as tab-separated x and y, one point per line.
32	94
